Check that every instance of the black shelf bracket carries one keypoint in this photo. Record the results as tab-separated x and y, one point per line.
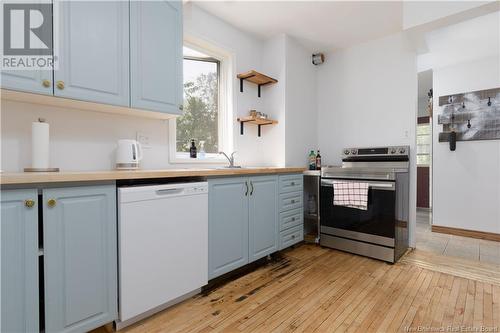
241	85
259	128
258	93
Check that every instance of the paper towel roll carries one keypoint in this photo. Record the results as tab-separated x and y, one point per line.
40	145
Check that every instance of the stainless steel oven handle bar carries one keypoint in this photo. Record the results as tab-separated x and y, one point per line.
374	185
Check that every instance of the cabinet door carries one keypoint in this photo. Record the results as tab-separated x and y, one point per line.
263	216
227	225
93	41
80	257
19	230
33	81
156	55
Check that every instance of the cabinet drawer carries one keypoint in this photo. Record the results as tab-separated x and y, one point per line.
291	183
290	201
291	236
291	218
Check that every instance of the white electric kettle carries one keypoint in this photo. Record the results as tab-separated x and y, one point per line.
128	154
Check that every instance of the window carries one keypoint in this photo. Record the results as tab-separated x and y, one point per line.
205	117
423	144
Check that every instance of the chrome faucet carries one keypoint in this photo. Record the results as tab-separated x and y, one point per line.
230	159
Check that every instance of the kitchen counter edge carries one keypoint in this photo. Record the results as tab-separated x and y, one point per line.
8	178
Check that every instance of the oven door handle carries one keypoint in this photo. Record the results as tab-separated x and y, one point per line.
373	185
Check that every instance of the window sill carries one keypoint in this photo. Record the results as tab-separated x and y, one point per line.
188	160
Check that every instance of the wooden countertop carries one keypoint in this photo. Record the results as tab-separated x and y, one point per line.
7	178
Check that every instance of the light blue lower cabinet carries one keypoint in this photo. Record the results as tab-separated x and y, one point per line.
227	225
80	257
263	216
19	246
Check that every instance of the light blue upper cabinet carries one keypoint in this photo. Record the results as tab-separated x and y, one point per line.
33	81
93	41
227	225
80	251
19	230
156	55
263	216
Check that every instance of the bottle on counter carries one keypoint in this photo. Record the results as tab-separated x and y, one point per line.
318	161
312	160
202	153
192	149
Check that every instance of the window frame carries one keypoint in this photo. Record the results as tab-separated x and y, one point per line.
429	145
225	69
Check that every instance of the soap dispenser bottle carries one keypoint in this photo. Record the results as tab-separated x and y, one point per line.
192	149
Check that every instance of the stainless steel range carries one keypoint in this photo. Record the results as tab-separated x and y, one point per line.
381	231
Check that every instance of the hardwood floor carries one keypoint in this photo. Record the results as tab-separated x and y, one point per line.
310	289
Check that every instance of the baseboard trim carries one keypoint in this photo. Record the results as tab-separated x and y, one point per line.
466	233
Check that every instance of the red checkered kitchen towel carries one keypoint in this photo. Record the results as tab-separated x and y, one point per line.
350	194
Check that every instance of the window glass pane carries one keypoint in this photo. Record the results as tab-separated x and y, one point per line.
423	149
423	140
423	129
423	160
199	120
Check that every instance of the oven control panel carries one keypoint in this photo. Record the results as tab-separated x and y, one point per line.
377	151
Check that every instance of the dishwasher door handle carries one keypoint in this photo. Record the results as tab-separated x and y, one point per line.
168	191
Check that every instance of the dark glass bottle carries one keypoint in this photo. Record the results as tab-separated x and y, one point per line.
192	149
318	161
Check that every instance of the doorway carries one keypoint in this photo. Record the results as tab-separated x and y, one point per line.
424	150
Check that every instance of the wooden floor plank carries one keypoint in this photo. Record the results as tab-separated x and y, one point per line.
310	288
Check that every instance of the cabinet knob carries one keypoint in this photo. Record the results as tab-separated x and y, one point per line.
60	85
51	202
293	183
181	107
293	236
293	201
46	83
29	203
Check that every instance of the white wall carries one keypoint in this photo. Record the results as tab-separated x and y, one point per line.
367	96
301	106
80	140
271	145
466	189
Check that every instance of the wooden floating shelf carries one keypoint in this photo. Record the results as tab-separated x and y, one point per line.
257	78
256	121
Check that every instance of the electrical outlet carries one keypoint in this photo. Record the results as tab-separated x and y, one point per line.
143	139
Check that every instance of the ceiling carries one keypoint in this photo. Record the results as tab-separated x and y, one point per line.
318	25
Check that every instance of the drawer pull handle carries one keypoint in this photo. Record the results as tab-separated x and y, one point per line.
293	201
293	236
293	218
293	183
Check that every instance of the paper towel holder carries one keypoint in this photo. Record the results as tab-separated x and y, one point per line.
41	120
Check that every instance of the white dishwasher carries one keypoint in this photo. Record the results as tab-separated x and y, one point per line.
163	247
